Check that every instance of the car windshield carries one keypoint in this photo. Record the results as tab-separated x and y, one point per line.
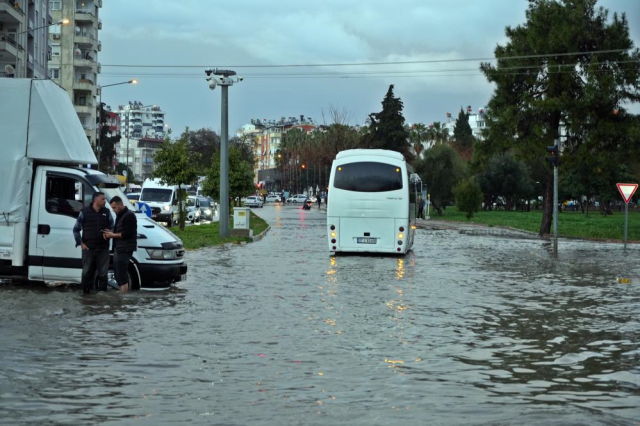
158	195
205	203
109	193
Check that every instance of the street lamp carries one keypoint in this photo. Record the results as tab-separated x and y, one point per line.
64	21
98	146
224	79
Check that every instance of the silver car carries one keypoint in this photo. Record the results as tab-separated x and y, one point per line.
253	201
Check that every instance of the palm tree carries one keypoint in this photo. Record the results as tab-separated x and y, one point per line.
418	135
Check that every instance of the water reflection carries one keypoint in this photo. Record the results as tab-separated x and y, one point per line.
466	329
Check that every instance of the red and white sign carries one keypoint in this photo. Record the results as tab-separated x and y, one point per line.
627	190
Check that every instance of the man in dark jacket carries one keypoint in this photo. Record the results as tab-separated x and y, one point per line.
124	241
93	221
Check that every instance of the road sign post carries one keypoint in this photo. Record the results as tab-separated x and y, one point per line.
626	190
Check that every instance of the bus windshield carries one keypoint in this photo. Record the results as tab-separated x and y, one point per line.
368	176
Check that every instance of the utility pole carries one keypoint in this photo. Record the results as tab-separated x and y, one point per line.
553	159
223	78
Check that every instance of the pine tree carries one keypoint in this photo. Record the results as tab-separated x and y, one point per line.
387	127
462	133
568	66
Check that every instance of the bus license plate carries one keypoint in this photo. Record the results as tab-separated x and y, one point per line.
366	240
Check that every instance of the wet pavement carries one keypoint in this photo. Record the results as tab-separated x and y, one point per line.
471	328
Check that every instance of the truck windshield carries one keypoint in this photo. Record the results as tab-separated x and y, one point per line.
157	195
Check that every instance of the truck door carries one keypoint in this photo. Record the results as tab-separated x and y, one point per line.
62	197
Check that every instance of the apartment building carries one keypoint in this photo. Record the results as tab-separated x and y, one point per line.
74	56
24	44
142	134
267	137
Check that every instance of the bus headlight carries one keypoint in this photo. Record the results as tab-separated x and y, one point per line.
166	207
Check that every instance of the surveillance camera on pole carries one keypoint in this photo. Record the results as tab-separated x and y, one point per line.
224	79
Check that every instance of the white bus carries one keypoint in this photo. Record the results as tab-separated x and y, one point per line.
372	202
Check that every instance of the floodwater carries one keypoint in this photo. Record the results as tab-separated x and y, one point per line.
471	328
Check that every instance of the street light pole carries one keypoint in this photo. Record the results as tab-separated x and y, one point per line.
98	139
64	21
224	78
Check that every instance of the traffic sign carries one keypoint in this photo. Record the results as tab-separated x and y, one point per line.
627	190
144	208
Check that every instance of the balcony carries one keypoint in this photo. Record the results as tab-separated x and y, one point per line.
84	38
8	45
86	15
86	107
11	13
99	46
83	84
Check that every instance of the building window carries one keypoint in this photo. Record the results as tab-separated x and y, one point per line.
54	73
55	4
55	50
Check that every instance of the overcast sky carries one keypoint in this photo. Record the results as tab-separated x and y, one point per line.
196	35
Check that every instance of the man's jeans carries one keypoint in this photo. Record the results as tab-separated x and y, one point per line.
92	261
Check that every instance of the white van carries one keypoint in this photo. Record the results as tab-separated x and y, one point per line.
163	200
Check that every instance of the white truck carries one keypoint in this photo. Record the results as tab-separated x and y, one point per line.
44	188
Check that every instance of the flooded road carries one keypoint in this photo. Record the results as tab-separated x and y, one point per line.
470	328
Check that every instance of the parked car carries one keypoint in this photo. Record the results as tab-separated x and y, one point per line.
253	201
298	198
273	199
134	197
193	209
207	208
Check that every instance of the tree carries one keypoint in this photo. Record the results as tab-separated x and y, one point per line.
550	75
177	165
506	178
204	142
462	133
240	175
440	169
463	139
387	127
107	143
468	196
418	136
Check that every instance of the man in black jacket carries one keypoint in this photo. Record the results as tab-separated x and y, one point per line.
93	221
124	241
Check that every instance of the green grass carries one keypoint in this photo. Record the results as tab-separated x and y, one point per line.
206	235
570	224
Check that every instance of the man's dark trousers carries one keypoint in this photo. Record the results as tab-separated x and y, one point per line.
92	261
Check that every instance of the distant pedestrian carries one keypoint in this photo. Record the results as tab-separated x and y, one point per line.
93	222
421	204
282	199
319	201
124	241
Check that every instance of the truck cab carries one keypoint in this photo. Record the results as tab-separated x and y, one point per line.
58	196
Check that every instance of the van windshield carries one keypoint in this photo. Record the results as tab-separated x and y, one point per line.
158	195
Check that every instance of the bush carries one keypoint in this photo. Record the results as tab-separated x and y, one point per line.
468	196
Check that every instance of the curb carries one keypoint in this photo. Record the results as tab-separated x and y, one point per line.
533	234
261	235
